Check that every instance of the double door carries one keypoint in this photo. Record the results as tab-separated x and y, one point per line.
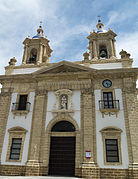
62	156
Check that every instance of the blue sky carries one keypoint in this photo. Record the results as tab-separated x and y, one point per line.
66	23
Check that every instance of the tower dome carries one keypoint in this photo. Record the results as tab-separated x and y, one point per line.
39	33
100	27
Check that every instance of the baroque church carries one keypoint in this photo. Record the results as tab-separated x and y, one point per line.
70	118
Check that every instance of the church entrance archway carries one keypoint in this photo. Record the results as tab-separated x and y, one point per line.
62	149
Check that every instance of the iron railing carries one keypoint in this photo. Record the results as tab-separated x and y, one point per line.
109	104
21	106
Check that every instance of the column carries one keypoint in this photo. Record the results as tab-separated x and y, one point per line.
111	46
40	54
114	48
95	50
25	54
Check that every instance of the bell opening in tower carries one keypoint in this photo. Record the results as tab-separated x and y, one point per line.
102	52
33	56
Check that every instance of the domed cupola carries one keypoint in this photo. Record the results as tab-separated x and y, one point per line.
36	50
100	27
39	33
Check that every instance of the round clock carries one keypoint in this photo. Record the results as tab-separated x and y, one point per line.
107	83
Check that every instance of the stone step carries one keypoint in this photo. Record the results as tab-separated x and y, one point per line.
36	177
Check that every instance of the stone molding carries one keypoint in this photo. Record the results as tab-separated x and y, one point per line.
16	132
40	92
111	132
87	91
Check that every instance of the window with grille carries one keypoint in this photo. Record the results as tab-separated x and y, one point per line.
15	149
108	100
22	102
112	154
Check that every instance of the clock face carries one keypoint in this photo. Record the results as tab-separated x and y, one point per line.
107	83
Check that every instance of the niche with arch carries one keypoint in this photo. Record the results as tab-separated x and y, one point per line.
63	101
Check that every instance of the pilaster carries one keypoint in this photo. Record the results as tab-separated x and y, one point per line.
131	114
89	166
33	166
5	101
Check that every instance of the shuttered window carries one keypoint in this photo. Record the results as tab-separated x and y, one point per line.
112	154
15	148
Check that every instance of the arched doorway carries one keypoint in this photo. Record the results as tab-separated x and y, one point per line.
62	149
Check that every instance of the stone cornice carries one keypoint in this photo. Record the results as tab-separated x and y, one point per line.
115	73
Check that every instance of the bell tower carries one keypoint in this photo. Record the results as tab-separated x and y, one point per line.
102	43
36	50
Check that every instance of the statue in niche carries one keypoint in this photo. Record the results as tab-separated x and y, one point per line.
63	102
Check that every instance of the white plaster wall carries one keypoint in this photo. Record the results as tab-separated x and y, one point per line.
111	121
52	101
106	66
24	70
21	121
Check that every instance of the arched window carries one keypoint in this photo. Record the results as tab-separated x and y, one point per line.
33	56
63	126
103	51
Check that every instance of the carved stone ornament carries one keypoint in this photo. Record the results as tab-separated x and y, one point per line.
87	91
41	92
63	101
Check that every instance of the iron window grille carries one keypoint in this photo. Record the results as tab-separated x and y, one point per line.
21	106
15	149
112	154
109	104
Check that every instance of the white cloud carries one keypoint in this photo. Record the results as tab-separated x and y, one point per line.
21	18
129	42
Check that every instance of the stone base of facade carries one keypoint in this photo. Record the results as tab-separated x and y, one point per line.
12	170
84	172
114	173
34	168
90	170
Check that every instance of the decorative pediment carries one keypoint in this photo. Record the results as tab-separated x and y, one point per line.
17	129
63	67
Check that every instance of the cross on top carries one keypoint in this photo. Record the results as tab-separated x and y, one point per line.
99	18
41	23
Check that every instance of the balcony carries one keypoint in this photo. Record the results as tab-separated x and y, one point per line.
109	107
21	108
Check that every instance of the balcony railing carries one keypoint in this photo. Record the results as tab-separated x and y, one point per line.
109	104
21	106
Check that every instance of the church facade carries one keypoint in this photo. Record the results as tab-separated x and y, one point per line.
70	118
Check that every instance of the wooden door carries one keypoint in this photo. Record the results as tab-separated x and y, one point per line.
62	156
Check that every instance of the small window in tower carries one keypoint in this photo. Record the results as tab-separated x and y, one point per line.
33	56
103	52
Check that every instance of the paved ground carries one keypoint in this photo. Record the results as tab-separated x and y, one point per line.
36	177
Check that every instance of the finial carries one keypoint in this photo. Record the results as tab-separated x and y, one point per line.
40	24
99	18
